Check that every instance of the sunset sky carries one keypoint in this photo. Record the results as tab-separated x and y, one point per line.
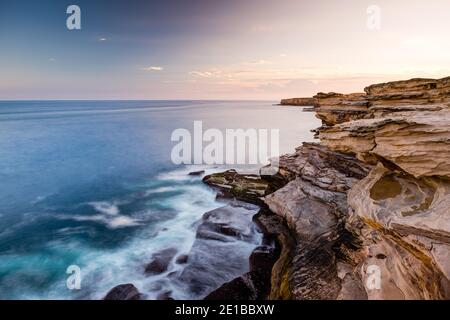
216	49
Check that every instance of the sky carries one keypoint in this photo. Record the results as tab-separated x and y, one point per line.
217	49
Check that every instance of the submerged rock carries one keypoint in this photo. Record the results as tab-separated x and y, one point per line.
166	295
123	292
196	173
160	261
254	285
224	240
182	259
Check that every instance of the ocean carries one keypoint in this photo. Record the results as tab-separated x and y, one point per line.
92	184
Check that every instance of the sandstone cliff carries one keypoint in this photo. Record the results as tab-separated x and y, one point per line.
302	102
365	212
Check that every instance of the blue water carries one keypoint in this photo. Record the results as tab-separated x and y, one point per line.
91	183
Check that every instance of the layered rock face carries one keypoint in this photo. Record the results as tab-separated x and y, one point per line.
302	102
407	123
414	91
333	108
314	205
399	214
365	214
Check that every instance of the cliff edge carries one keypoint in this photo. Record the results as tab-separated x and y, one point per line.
365	212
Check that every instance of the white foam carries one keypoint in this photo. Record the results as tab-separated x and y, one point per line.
105	207
104	269
112	222
160	190
122	222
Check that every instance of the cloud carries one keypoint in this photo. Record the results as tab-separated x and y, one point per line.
202	74
102	39
258	62
219	73
153	68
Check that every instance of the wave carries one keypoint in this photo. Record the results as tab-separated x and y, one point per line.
177	192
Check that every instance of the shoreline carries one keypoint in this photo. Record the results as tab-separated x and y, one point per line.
353	207
335	198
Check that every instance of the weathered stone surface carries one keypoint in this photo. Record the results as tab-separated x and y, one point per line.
312	162
419	144
401	203
313	204
309	211
373	197
352	287
333	108
413	91
400	211
395	219
404	220
405	110
123	292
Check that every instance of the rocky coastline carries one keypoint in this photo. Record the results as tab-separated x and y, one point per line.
364	213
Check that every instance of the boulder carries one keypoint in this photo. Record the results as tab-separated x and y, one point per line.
160	261
123	292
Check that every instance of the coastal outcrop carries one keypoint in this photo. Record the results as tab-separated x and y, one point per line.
301	102
333	108
364	214
249	188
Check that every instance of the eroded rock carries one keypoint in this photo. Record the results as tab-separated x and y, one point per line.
338	225
334	108
418	144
